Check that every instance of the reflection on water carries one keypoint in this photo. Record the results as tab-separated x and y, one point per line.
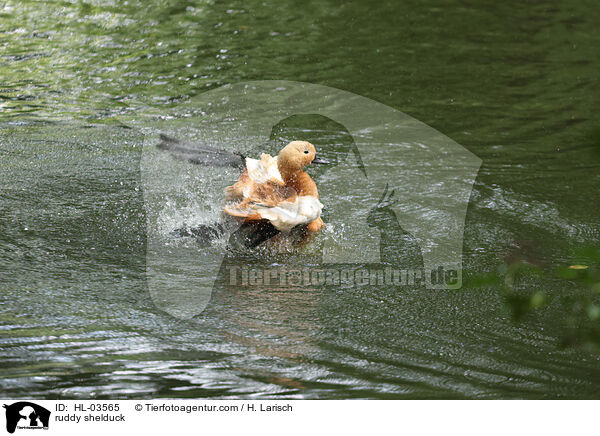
76	317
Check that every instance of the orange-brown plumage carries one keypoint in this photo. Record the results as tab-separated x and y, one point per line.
278	189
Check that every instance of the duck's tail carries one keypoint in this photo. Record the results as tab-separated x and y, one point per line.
252	234
248	234
198	154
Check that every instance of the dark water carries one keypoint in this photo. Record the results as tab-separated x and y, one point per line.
516	84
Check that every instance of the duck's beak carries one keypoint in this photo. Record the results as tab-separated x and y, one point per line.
320	160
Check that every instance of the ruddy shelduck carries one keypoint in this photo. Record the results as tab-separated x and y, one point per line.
278	190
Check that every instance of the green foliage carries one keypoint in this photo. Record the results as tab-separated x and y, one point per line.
519	280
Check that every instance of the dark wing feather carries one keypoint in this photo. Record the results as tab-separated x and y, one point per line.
198	154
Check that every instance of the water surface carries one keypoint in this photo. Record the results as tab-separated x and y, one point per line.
517	85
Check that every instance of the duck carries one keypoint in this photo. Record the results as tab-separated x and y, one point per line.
278	190
273	194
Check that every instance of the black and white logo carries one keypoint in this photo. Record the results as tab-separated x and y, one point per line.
26	415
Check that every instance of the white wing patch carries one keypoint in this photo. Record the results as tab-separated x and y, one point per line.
286	215
264	170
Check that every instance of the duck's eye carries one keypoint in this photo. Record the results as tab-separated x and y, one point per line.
305	151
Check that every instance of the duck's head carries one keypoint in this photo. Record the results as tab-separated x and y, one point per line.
298	154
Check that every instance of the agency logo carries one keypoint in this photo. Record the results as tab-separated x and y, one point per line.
395	192
26	415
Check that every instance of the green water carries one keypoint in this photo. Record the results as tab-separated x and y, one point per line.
516	84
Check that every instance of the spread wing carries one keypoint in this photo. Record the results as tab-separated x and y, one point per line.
199	154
